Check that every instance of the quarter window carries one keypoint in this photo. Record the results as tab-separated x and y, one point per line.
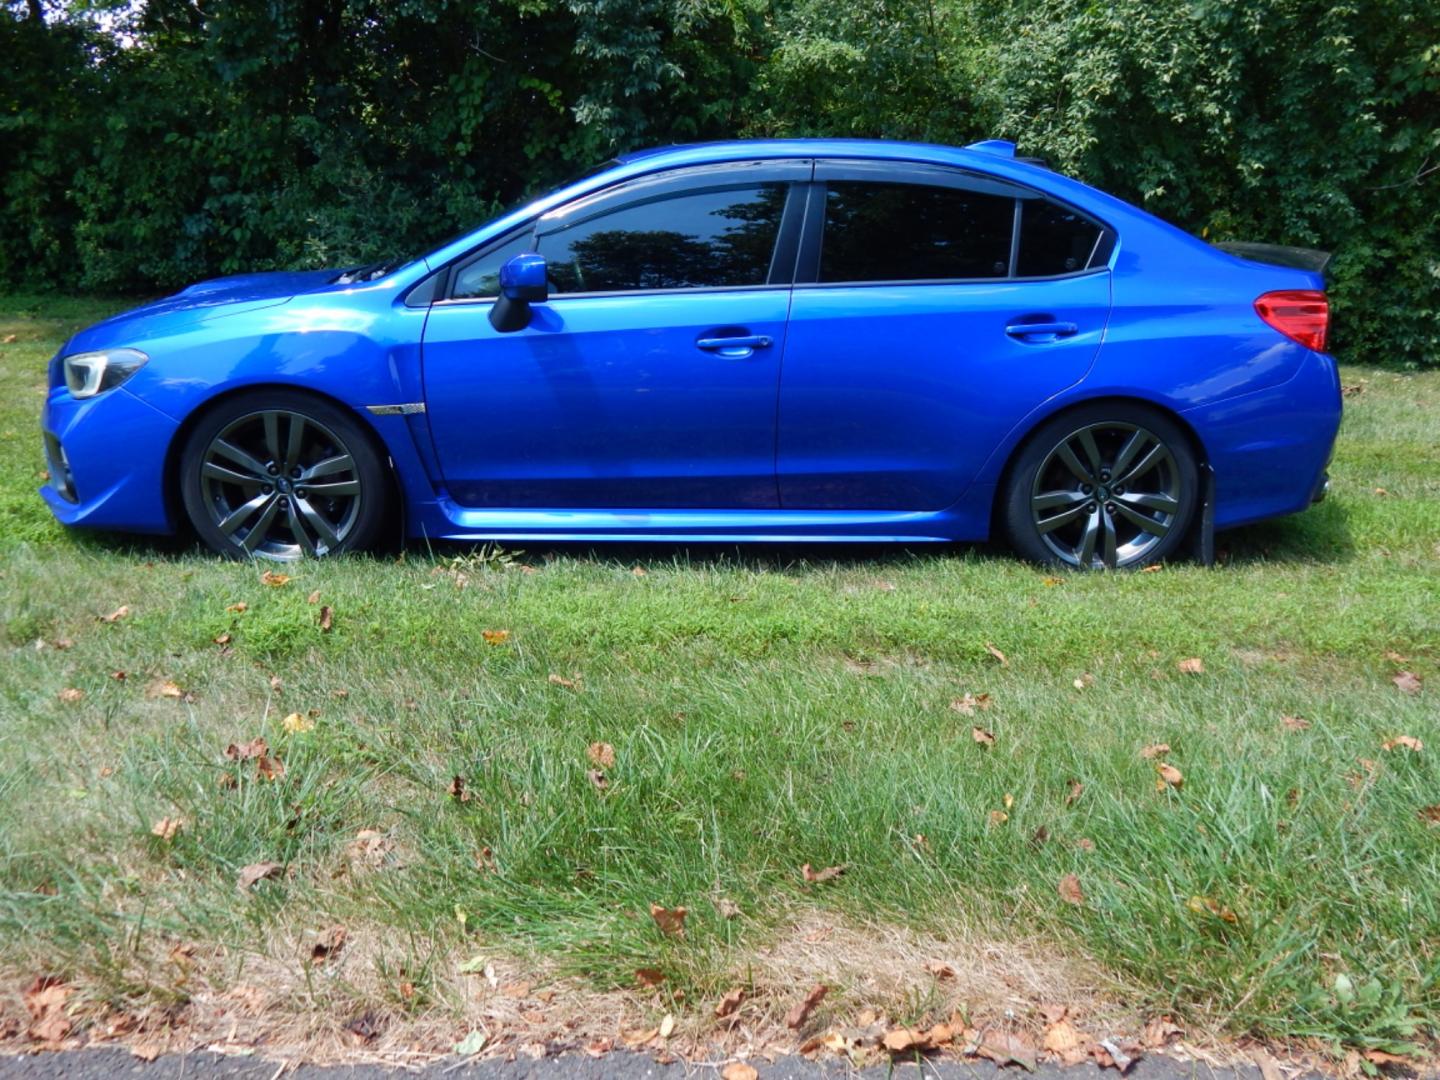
1053	240
909	232
695	240
480	277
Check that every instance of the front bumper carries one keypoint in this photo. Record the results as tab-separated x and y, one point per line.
106	457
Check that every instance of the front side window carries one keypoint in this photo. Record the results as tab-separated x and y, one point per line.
910	232
694	240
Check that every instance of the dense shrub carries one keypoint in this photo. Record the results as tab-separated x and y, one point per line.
166	142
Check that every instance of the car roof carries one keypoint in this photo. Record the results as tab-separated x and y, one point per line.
892	149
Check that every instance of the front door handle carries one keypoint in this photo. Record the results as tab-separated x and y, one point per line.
735	348
1042	331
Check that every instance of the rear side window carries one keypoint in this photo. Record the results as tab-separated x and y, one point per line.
910	232
1053	240
704	239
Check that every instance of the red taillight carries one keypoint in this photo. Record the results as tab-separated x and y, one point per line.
1302	315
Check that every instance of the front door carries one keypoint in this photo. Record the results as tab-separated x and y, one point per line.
650	377
940	310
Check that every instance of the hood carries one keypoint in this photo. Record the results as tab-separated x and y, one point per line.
200	302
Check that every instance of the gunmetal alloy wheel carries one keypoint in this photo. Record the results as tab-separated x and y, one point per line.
1106	495
1106	487
281	477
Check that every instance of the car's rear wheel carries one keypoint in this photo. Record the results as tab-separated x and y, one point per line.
280	475
1112	484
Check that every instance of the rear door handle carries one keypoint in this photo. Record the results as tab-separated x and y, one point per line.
735	348
1047	330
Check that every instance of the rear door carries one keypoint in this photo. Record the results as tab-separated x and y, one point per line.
649	379
933	310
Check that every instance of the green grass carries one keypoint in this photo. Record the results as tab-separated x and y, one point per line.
768	708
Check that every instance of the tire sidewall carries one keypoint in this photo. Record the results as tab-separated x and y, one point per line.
1016	520
359	443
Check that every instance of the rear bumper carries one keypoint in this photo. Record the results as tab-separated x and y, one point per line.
1270	449
106	457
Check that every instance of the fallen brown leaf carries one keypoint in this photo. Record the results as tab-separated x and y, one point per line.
602	755
738	1070
166	827
1169	776
313	598
253	749
597	779
997	654
906	1040
727	908
1067	1042
1294	723
730	1002
560	680
223	639
327	619
255	873
1076	790
998	817
274	579
297	723
649	977
238	608
456	790
370	848
1070	890
45	999
1161	1032
269	768
1403	742
1208	904
1154	750
1430	814
1110	1053
70	695
983	737
115	616
671	921
940	969
968	704
1003	1048
796	1017
495	637
1084	682
1380	1057
1407	682
328	945
1191	665
813	876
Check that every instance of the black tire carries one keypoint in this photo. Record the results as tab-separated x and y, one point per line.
256	485
1115	480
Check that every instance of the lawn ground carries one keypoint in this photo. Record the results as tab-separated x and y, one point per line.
766	709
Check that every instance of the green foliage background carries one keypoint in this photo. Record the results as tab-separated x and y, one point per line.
148	143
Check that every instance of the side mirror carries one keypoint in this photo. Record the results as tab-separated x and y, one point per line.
523	281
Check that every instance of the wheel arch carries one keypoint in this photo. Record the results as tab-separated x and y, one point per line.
1019	445
174	502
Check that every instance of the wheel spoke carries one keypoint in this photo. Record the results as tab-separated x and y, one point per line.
296	437
339	487
1142	521
1092	452
242	513
256	536
298	529
316	521
1107	539
272	435
1056	521
1085	553
329	467
1073	463
1153	457
238	456
1150	501
1049	500
1132	447
214	471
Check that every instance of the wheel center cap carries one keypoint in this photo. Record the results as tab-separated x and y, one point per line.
1102	492
284	486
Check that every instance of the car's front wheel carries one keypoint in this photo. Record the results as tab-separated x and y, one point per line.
281	475
1112	484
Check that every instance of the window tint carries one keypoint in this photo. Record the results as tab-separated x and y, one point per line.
1053	240
906	232
481	277
710	238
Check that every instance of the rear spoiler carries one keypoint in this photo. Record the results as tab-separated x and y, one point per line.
1278	255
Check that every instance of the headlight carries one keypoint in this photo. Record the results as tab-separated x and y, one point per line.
87	374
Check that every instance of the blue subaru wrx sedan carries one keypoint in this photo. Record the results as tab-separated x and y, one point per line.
781	340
